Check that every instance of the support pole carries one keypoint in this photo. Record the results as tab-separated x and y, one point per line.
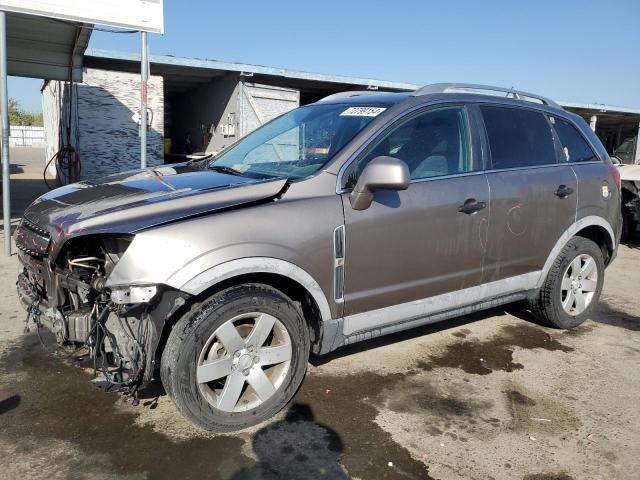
144	74
4	109
636	157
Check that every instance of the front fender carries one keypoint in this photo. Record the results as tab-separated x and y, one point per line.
243	266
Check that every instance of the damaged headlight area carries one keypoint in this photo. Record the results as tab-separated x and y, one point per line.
133	294
120	327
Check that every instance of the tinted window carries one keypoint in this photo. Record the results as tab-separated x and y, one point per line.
574	146
518	138
432	144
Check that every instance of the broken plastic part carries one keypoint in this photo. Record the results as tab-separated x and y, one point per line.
129	295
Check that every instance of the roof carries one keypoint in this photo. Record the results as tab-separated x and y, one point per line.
45	48
197	63
600	107
368	98
177	66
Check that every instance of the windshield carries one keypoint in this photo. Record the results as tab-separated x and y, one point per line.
296	144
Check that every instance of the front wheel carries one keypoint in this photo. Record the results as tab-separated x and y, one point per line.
573	285
236	359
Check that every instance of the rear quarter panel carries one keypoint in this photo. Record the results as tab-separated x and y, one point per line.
597	194
592	177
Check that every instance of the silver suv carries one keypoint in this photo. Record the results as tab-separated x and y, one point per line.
357	216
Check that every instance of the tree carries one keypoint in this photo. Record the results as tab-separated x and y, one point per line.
17	116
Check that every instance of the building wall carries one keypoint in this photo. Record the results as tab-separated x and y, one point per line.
101	125
199	114
261	103
108	137
52	100
219	113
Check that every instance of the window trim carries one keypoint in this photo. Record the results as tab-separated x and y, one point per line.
406	116
559	140
489	161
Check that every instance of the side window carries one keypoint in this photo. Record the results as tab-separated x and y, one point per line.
574	147
518	138
432	143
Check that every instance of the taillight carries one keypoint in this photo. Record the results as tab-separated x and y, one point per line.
615	173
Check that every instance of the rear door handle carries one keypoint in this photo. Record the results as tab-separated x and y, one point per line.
471	206
563	191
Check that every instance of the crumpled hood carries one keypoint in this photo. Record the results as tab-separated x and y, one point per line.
131	201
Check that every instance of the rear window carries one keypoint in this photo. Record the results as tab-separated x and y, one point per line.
574	147
518	138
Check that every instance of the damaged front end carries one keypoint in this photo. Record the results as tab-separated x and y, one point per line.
66	292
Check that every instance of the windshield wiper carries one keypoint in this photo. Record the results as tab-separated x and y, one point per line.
227	170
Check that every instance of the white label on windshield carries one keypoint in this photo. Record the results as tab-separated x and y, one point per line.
362	112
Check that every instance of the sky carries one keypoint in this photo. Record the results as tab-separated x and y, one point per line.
577	51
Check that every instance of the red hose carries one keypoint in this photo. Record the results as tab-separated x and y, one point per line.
67	163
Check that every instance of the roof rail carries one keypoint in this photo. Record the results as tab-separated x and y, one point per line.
480	89
352	93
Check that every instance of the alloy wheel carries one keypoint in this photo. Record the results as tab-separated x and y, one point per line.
579	283
244	362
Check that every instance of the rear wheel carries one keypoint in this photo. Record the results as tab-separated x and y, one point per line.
573	285
236	359
628	220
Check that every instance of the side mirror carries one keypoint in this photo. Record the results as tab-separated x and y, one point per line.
381	173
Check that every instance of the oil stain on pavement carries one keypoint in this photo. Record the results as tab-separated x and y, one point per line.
329	430
483	357
58	403
322	435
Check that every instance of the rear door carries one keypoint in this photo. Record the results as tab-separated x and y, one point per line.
417	243
533	196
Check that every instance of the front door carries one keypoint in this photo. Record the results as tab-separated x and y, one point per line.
426	240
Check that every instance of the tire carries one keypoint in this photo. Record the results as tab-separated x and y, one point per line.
195	353
548	307
628	221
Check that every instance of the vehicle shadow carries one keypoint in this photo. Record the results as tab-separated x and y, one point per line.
9	403
295	447
150	395
607	314
604	313
632	243
518	309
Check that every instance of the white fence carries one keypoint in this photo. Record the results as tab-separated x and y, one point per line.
26	136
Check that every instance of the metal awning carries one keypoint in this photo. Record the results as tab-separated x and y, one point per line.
46	48
36	47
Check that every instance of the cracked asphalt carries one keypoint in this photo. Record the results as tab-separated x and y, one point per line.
490	395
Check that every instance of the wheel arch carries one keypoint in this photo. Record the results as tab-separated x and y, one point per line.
284	276
272	269
593	227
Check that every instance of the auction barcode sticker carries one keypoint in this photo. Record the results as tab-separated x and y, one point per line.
362	112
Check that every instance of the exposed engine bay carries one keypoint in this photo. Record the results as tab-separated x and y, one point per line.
68	296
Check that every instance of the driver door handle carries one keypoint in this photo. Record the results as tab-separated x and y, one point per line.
563	191
471	206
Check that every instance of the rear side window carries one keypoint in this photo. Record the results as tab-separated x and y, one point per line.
574	147
518	138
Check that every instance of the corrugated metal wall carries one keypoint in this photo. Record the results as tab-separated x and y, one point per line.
261	103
